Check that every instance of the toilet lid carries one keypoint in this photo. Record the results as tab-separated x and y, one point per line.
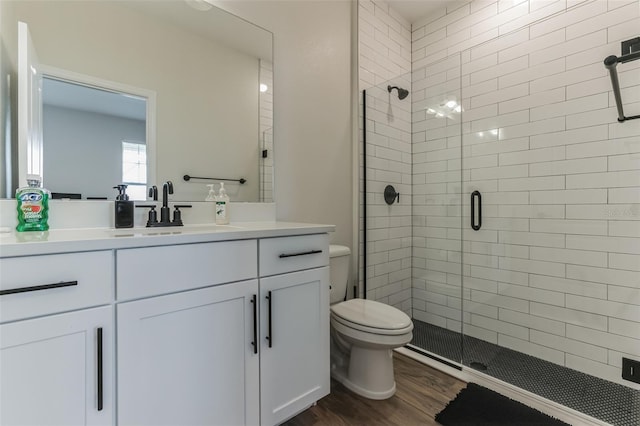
372	314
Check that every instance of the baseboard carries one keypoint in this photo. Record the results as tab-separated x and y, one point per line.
551	408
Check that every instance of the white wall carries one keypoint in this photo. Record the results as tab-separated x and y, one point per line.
88	146
384	53
312	116
555	270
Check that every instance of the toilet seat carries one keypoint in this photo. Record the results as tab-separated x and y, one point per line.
372	317
371	330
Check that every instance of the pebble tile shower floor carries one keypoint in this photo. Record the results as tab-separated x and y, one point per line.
604	400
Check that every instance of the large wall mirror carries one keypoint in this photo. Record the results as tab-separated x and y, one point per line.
141	92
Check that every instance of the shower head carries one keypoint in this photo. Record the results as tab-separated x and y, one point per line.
402	93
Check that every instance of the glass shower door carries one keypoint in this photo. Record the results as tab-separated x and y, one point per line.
437	291
541	232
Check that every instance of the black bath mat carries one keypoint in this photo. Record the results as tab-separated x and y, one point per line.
478	406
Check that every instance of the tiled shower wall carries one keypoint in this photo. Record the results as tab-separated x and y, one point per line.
555	270
437	198
266	132
385	58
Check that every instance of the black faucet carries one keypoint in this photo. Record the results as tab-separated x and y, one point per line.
167	188
153	193
165	219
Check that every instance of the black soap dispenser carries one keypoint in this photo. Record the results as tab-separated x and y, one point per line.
124	208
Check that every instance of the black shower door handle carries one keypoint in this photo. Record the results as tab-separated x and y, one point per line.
476	225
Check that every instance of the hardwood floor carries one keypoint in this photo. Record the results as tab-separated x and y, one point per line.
422	392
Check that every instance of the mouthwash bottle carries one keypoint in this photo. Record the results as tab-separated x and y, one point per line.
33	206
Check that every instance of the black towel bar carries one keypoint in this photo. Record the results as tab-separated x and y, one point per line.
630	52
188	178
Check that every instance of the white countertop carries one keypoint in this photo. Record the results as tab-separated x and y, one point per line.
88	239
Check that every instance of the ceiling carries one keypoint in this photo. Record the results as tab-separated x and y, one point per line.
414	10
76	96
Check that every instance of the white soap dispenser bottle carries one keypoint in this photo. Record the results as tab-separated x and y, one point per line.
222	206
212	193
211	197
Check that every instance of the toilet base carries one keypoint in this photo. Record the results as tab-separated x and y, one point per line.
369	373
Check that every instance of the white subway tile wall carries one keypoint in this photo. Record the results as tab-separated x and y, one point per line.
555	270
385	58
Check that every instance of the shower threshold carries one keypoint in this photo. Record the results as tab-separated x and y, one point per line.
610	402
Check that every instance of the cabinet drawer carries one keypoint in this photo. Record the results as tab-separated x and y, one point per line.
41	285
144	272
286	254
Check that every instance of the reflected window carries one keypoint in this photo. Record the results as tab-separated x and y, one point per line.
134	169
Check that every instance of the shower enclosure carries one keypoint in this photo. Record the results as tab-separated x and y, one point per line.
512	243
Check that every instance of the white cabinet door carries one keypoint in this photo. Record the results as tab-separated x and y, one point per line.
57	370
188	359
294	358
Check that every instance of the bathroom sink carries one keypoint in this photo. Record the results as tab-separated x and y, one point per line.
170	230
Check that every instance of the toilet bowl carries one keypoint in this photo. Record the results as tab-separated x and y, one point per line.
363	335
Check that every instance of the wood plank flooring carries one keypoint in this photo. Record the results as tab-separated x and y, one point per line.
422	392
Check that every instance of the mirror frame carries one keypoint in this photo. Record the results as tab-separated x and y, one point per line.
111	86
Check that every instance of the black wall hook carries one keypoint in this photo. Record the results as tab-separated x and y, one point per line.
390	195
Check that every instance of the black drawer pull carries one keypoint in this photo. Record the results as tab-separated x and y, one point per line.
99	378
303	253
270	335
255	324
37	288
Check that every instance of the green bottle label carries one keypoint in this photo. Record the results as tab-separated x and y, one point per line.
32	210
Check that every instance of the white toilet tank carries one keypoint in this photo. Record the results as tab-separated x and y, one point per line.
339	257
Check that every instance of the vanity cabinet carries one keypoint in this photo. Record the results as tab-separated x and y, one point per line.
188	358
185	353
151	271
56	347
231	332
57	369
243	353
294	357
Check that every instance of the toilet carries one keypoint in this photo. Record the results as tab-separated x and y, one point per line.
363	335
